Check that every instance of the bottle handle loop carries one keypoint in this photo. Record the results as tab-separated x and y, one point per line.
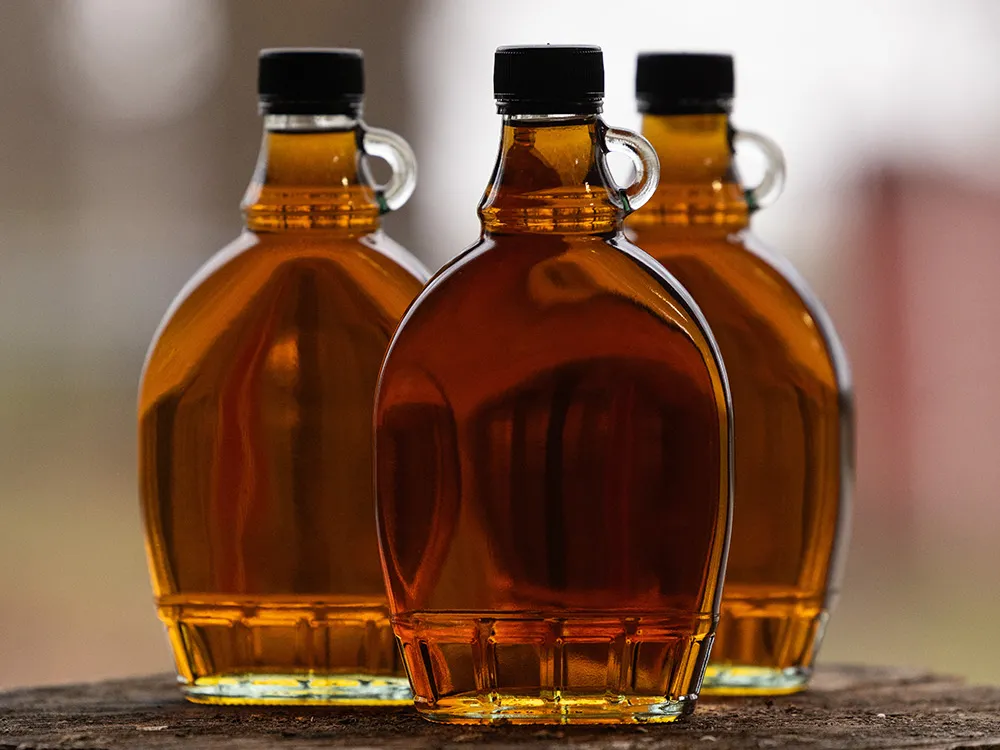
386	145
647	166
771	185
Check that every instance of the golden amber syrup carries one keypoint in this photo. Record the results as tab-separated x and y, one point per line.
255	442
552	461
792	409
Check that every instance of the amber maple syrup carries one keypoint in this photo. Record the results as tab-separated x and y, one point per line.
792	400
552	441
255	437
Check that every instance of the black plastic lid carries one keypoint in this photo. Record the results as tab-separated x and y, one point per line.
675	83
310	81
548	79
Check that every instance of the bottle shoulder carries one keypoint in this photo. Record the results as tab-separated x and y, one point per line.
516	305
814	308
750	293
534	275
361	280
395	253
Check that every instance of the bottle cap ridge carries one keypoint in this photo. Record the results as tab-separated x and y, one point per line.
310	81
549	79
684	83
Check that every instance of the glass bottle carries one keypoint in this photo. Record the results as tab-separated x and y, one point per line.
552	439
255	436
791	386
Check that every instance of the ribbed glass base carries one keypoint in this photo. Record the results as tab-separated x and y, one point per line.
503	708
344	690
733	679
579	668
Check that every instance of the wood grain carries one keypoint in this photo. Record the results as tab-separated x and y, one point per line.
847	707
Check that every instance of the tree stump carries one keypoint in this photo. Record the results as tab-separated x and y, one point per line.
847	707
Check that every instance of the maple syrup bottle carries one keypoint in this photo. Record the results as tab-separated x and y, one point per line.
552	439
792	402
255	433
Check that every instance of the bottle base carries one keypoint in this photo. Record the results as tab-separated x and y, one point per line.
291	689
735	680
510	708
766	642
576	668
295	650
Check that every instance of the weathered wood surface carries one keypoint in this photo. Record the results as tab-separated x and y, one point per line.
847	707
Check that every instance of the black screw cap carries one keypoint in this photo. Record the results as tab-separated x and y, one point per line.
684	83
310	81
549	79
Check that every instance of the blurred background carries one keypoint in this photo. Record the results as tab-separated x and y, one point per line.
129	132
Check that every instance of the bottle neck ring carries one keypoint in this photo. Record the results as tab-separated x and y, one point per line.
295	123
546	107
650	104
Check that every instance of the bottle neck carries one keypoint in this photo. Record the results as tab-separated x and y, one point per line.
698	180
551	176
310	175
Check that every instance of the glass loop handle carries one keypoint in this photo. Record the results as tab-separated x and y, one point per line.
772	183
645	160
386	145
